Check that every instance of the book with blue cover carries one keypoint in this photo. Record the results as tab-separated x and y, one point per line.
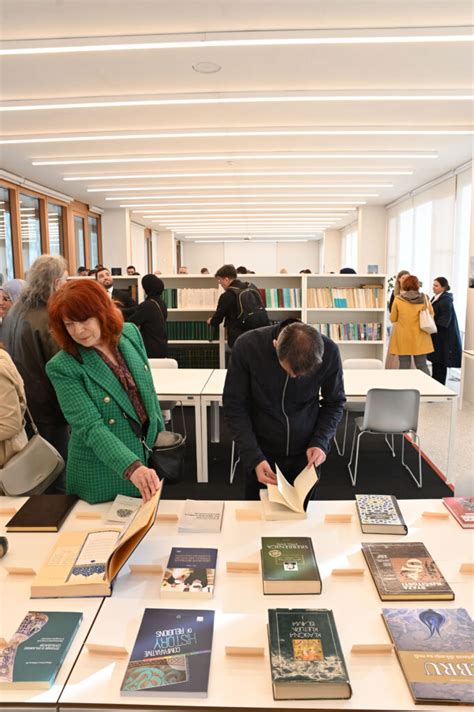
435	648
172	653
33	656
190	573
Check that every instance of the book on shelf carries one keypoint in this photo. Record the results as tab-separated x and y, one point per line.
189	331
123	509
281	298
190	573
306	656
33	656
42	513
462	509
405	571
435	649
369	296
289	566
187	298
285	501
380	514
201	515
172	653
85	563
351	331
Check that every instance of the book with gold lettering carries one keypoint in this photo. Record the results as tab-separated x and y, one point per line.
435	649
289	565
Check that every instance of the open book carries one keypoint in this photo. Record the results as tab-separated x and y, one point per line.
285	501
85	563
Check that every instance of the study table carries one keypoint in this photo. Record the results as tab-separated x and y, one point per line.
356	385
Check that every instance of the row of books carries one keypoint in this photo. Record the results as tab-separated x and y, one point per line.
371	331
367	296
285	298
191	298
190	330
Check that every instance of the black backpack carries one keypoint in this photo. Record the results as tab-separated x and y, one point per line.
251	313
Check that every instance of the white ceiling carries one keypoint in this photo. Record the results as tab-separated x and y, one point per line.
378	70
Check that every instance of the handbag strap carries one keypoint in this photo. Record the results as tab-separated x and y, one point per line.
159	309
138	429
32	422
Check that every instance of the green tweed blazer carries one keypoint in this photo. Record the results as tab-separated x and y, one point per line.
102	443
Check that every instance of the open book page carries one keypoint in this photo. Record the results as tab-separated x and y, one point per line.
90	564
293	496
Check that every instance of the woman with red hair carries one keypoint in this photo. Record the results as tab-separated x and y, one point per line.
408	339
103	382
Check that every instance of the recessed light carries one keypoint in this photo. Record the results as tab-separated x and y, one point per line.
207	67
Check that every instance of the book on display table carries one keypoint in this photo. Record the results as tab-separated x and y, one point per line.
289	566
190	573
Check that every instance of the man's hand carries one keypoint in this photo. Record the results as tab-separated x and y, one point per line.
146	481
315	456
265	474
208	321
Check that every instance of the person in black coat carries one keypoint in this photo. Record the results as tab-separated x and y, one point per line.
283	400
150	317
447	341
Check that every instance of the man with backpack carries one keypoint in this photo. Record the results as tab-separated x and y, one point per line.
240	307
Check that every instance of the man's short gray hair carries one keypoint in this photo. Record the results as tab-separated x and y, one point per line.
301	346
41	280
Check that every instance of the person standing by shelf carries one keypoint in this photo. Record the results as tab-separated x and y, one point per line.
408	339
150	317
447	341
122	296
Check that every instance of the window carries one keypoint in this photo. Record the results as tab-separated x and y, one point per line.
30	230
79	241
55	228
93	240
6	249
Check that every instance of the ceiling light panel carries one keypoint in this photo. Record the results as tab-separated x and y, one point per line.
244	186
244	195
240	174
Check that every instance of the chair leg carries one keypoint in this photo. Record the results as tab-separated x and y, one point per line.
390	447
233	465
353	475
418	481
340	451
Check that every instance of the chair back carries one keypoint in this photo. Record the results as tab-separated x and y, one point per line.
163	363
362	363
390	410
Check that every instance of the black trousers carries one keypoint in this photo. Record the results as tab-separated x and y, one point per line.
439	372
290	466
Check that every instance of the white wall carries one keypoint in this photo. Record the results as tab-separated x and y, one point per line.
137	235
116	238
332	251
195	255
372	238
298	256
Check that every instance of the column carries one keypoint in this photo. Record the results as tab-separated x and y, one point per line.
116	238
331	249
164	251
372	238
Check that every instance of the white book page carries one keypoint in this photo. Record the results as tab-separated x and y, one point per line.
305	482
293	496
123	509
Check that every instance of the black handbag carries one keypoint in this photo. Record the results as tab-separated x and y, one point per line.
167	454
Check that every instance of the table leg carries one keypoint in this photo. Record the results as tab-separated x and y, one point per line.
203	438
451	435
201	473
215	424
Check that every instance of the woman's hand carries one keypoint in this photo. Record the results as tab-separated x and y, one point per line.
146	481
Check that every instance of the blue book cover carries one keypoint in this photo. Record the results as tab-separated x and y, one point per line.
435	648
172	653
190	573
34	655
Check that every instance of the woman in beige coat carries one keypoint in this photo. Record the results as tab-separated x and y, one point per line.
12	409
408	339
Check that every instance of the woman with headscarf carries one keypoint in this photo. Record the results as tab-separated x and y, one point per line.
447	341
9	293
150	317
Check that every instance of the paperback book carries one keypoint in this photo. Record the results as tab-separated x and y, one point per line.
289	566
285	501
33	657
190	573
435	648
380	514
405	571
201	516
123	509
306	656
42	513
462	509
172	653
85	563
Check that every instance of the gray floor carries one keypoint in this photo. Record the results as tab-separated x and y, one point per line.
434	429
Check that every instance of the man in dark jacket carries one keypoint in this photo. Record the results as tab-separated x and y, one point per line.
283	400
126	304
228	306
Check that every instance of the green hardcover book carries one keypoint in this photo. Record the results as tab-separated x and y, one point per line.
289	566
35	653
306	656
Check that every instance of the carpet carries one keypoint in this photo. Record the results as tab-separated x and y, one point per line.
378	473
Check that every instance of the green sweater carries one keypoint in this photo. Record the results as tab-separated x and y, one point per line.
102	443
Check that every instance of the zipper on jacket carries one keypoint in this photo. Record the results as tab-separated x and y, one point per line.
286	417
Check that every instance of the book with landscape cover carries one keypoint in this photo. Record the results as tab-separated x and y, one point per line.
435	649
85	563
33	656
201	516
380	514
172	653
285	501
289	566
42	513
462	509
190	573
306	656
405	571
